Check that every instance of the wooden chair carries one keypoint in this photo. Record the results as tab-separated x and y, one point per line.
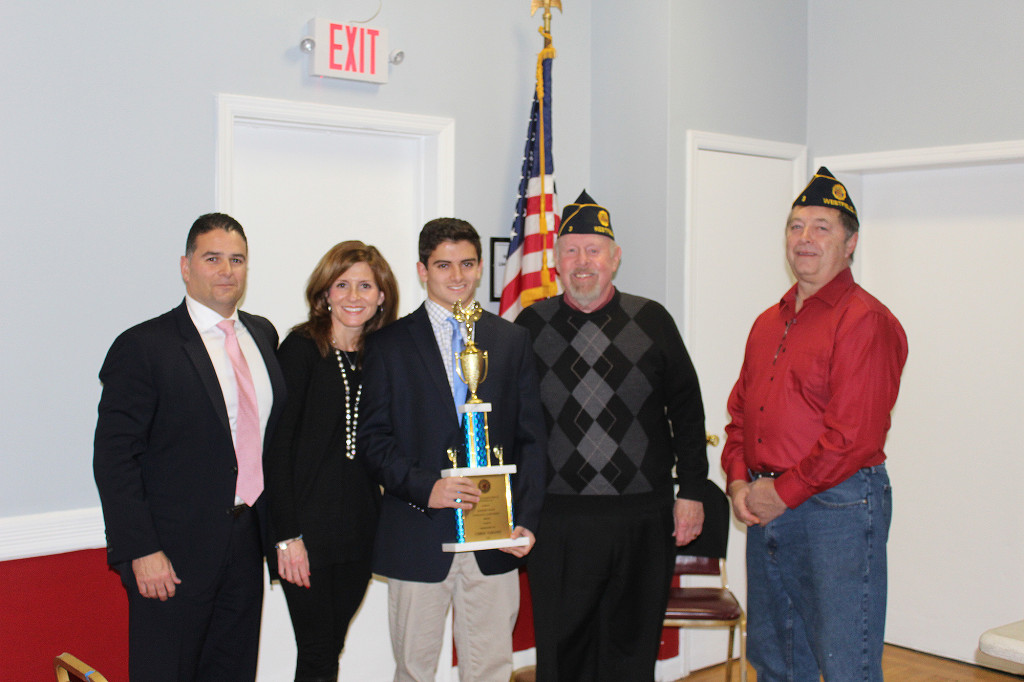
709	607
67	668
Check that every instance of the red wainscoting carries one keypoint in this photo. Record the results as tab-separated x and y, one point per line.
522	635
73	602
62	602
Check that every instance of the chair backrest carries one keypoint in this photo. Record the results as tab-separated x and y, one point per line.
67	668
714	540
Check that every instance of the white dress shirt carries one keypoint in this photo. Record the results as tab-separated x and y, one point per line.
205	320
439	316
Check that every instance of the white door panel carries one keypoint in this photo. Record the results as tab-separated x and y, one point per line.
301	178
740	191
942	249
300	191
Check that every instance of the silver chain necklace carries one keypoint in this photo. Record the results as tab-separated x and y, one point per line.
351	410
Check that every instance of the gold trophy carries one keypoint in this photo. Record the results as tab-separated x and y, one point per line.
472	367
489	524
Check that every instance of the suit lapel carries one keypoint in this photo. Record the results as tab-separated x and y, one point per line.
194	347
267	350
426	346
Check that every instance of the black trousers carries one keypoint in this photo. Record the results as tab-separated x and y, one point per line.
600	574
201	635
321	615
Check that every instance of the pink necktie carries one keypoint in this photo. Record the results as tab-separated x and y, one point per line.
248	448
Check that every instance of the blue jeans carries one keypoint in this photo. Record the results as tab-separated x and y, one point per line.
816	585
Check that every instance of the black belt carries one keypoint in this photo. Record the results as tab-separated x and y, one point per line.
754	475
236	511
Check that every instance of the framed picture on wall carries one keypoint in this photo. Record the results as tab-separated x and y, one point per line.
499	252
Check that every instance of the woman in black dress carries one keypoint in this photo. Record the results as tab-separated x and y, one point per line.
323	504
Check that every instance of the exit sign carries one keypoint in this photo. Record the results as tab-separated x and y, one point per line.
353	51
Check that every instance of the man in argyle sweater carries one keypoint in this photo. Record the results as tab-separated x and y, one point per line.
623	409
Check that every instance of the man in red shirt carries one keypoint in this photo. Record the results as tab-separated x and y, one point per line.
804	457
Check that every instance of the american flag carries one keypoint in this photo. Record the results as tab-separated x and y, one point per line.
530	273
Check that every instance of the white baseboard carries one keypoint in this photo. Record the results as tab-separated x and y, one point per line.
51	533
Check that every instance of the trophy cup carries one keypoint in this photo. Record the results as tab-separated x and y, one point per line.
489	524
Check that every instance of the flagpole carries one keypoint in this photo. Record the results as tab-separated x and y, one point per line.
547	5
549	287
530	271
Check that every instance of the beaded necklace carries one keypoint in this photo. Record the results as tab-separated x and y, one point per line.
351	410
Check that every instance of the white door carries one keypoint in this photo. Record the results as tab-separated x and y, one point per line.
301	178
941	247
739	195
299	191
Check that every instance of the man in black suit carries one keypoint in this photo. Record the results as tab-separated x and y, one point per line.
181	393
409	420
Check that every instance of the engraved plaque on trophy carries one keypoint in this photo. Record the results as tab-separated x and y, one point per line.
489	524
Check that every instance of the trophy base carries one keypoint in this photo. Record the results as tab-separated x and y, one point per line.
492	470
489	524
484	544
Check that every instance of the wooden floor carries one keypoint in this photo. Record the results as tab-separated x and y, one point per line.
898	665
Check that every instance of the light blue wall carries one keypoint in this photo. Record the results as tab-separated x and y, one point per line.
107	153
630	92
107	140
740	67
732	66
900	75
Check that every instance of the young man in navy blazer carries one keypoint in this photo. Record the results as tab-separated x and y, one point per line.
409	421
188	548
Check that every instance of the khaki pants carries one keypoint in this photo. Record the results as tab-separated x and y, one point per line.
486	607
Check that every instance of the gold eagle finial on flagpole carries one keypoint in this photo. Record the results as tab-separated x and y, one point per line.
547	5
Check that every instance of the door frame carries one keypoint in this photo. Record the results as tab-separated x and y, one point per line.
436	137
431	140
681	291
853	167
925	157
680	286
